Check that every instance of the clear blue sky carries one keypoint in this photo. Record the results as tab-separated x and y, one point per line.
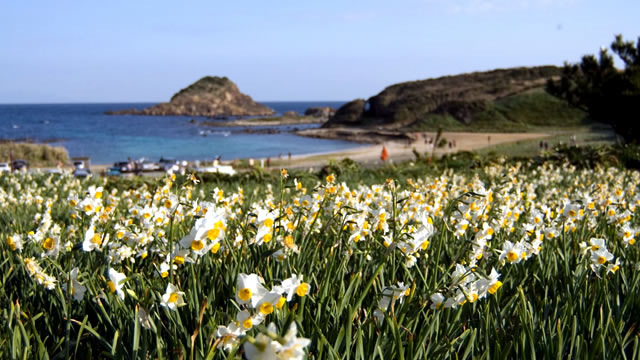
129	51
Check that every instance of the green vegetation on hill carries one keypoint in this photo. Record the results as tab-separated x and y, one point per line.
520	112
498	100
35	154
206	84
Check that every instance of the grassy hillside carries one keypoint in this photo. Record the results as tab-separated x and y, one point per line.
520	112
35	154
504	100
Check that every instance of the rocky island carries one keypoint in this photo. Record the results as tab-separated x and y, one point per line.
211	96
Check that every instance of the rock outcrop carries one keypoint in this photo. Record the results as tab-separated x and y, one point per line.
320	112
210	96
290	114
459	96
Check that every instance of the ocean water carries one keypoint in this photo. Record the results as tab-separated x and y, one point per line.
84	130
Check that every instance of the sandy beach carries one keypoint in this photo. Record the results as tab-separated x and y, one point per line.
402	150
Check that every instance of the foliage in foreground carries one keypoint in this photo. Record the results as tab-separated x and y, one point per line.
504	261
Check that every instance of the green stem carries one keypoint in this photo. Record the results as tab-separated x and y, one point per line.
366	289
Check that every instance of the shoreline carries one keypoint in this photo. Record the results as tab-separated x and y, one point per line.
397	150
275	121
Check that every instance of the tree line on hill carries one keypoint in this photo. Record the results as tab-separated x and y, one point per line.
608	94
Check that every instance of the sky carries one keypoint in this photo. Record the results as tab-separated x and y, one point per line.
285	50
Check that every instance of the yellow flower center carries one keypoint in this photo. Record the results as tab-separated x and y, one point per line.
512	256
12	243
281	302
173	298
302	289
268	223
112	286
288	241
266	308
179	260
267	237
247	324
98	194
602	260
197	245
425	245
215	248
244	294
493	288
96	239
213	233
48	244
164	274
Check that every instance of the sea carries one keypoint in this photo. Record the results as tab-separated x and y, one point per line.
85	131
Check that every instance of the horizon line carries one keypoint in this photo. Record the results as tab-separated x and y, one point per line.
148	102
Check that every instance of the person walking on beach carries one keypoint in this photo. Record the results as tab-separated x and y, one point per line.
384	155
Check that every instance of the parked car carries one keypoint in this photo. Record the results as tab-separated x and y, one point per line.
78	164
123	166
81	173
4	167
147	165
220	169
54	171
113	171
18	165
169	165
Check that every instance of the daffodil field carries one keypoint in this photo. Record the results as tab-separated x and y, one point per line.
504	261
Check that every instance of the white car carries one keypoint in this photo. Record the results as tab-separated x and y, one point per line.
169	165
220	169
4	167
